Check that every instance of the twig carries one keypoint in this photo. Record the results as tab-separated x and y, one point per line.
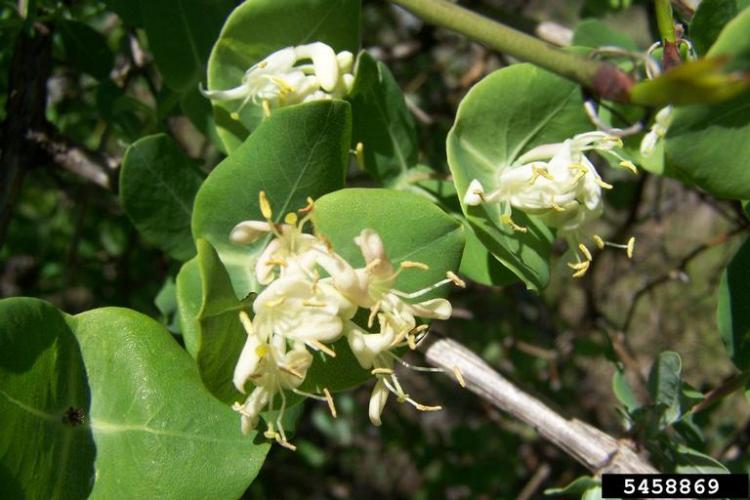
727	387
539	477
597	451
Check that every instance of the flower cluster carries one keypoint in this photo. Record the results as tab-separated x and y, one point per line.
292	75
560	185
300	311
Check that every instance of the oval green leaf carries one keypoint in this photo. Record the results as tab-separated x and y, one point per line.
257	28
299	152
158	183
509	112
733	314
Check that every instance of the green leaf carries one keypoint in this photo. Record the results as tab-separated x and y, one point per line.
79	391
166	302
298	152
411	227
689	461
180	34
381	121
189	298
733	313
43	453
257	28
623	391
147	397
158	183
595	33
708	21
706	144
85	48
220	335
506	114
664	386
577	487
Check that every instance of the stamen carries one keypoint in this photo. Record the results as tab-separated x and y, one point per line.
286	444
266	109
309	207
629	165
373	313
290	218
416	368
582	270
422	407
247	323
316	344
329	400
505	219
630	247
455	279
557	208
540	172
598	241
585	251
265	206
603	184
291	371
277	302
421	292
459	376
359	155
276	261
381	371
409	264
411	341
578	266
308	395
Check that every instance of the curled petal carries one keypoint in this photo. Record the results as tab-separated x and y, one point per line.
264	268
475	194
435	308
367	346
324	60
247	363
248	231
251	409
239	92
377	402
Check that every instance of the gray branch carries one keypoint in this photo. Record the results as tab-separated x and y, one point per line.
594	449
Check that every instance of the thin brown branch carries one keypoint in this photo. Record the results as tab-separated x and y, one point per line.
594	449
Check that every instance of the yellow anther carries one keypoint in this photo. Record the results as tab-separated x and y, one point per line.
629	165
630	247
372	265
309	207
276	262
579	265
329	400
291	371
603	184
290	218
585	251
459	376
598	241
266	108
359	155
283	442
422	407
455	279
265	206
557	208
581	271
316	344
580	167
247	324
262	64
381	371
539	172
261	350
505	219
276	302
410	264
411	341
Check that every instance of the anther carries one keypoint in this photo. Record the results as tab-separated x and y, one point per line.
291	371
329	400
309	207
381	371
316	344
266	108
265	206
247	324
630	247
422	407
459	376
359	155
455	279
410	264
505	219
290	218
603	184
629	165
598	241
585	251
557	208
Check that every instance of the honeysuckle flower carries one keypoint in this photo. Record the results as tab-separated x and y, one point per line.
291	251
560	185
284	78
662	121
374	351
273	368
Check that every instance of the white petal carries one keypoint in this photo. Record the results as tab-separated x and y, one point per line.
263	269
251	409
371	245
435	308
366	346
324	60
239	92
247	363
474	194
648	144
377	402
248	231
345	60
280	61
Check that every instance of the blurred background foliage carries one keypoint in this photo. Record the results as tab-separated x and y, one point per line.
70	242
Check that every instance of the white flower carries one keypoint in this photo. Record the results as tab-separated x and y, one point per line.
558	183
662	121
283	79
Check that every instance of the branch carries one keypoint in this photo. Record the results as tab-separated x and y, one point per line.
597	451
604	79
73	158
